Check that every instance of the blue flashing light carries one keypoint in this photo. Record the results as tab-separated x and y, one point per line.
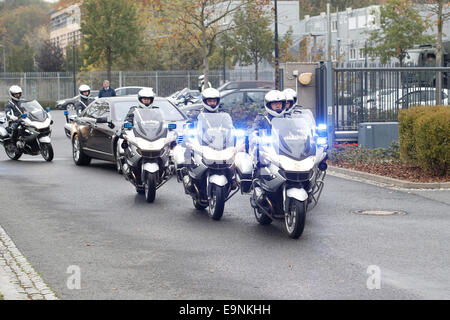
24	116
128	125
66	113
172	126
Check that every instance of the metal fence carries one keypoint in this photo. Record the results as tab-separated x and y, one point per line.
52	86
377	94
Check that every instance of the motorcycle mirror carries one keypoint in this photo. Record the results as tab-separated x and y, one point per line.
111	125
48	109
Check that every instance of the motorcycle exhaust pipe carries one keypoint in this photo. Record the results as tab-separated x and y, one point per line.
323	166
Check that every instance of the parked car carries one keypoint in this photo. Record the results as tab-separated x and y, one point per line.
387	99
248	84
69	103
93	133
128	91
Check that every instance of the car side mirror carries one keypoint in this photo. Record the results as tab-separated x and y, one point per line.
102	120
111	125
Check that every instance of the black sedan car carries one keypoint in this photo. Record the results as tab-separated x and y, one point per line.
93	133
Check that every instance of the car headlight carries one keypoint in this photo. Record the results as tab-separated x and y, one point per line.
215	155
289	164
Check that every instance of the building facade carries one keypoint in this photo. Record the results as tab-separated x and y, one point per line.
65	25
349	33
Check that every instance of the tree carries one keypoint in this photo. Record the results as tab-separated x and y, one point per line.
111	31
436	7
201	22
401	28
21	59
50	57
253	40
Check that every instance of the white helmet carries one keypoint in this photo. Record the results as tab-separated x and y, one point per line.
291	96
84	88
275	96
146	93
201	78
15	90
211	93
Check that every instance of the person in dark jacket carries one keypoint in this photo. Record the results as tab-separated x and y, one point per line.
84	99
106	91
14	110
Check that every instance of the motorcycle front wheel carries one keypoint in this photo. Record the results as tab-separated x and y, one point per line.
295	218
150	187
217	202
47	152
12	152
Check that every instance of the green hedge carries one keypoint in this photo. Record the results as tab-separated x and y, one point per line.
424	136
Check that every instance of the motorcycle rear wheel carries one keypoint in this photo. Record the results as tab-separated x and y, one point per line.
12	152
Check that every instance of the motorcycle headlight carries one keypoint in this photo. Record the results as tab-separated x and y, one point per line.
215	155
150	145
289	164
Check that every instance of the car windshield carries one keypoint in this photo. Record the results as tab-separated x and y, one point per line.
292	137
149	124
169	111
215	130
34	111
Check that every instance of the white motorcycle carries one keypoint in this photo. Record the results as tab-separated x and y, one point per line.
34	133
289	168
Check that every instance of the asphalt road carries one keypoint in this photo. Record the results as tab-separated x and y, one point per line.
61	215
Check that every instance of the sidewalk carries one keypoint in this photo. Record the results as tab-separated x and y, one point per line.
18	279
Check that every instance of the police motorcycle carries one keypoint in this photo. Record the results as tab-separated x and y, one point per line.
205	161
146	151
291	178
34	133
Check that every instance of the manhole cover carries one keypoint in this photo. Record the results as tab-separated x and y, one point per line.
379	212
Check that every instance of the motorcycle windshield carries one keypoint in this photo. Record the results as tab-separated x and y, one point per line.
34	111
215	130
149	124
292	137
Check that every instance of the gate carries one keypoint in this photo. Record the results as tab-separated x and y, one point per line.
377	94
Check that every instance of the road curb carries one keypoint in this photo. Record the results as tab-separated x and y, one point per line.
387	181
18	279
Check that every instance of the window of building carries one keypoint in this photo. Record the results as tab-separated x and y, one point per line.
352	54
334	26
352	23
361	54
362	23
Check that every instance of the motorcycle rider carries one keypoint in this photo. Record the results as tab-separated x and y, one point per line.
14	110
201	83
145	100
84	98
291	101
210	100
275	106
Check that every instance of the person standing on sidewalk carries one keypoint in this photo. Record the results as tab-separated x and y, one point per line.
106	91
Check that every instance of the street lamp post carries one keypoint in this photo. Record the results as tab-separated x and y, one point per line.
74	69
277	57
